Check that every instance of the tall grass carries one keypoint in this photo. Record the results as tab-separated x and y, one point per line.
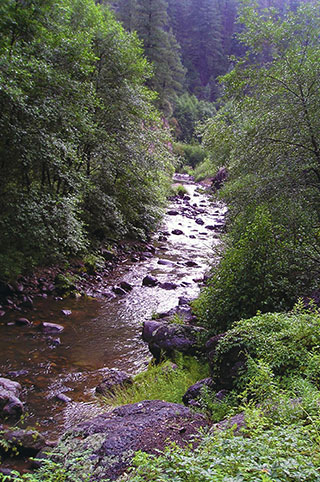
167	381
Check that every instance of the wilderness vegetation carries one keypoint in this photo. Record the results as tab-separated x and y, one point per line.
86	156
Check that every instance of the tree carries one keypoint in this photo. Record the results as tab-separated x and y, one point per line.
80	143
267	134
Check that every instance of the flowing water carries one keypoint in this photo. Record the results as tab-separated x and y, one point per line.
106	333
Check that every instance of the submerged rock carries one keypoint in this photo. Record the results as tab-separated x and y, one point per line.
109	441
46	327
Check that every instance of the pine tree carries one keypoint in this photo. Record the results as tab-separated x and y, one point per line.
161	48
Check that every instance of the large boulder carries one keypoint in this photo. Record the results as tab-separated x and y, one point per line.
10	405
219	179
168	338
107	443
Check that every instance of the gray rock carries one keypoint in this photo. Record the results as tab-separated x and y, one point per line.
66	312
10	405
191	264
11	386
177	232
113	379
63	398
168	285
173	212
111	439
25	442
126	286
167	338
149	281
193	393
199	221
119	291
51	327
23	322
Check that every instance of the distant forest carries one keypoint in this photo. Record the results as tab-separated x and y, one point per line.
190	42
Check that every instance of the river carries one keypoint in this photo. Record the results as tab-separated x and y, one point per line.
105	333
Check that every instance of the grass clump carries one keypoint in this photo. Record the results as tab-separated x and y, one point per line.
179	190
167	381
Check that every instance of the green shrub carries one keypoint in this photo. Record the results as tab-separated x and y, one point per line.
190	154
279	345
254	273
280	454
205	170
178	190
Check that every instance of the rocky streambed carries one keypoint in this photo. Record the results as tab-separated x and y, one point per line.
62	349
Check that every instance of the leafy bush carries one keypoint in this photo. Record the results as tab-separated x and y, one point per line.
287	344
190	154
254	273
280	454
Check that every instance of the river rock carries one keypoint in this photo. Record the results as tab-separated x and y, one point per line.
24	442
229	364
110	440
10	386
165	262
46	327
219	179
63	398
66	312
193	393
119	291
199	221
191	264
10	405
113	379
126	286
173	212
23	322
168	285
149	281
177	232
167	338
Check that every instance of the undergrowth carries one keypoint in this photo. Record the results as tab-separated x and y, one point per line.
167	381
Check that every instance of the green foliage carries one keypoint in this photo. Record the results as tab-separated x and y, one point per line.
285	345
188	112
83	153
166	381
276	403
267	135
280	454
190	154
256	272
178	190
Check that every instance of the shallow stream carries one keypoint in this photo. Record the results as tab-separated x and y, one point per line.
105	333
